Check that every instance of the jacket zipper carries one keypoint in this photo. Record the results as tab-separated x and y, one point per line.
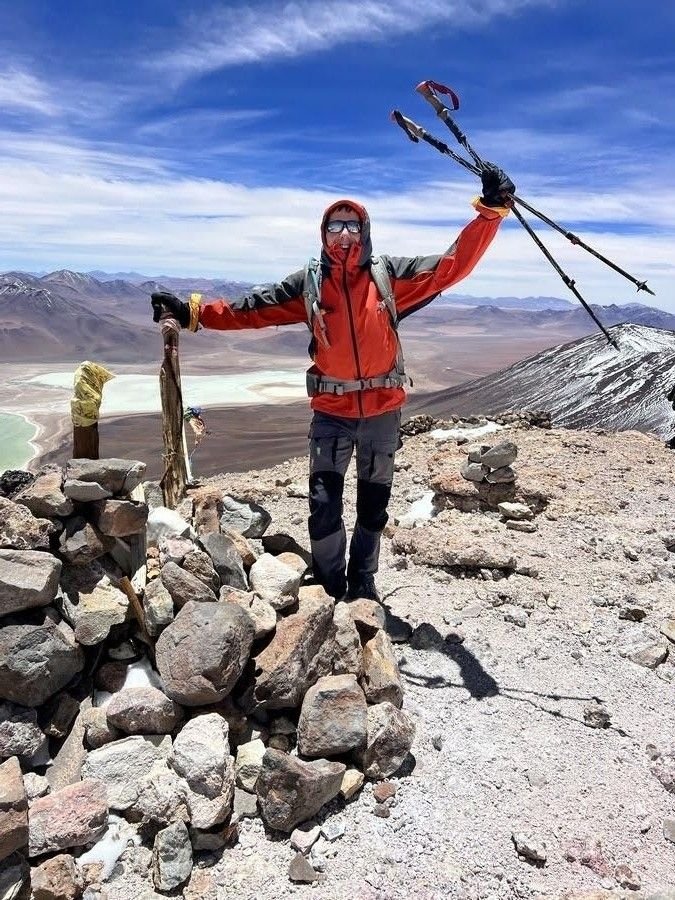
353	331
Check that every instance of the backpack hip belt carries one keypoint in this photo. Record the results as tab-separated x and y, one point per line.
322	384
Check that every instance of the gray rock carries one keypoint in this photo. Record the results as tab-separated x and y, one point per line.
81	543
381	679
302	871
305	836
347	654
162	798
390	735
115	476
291	791
244	805
334	717
184	587
20	530
596	715
15	878
35	785
500	455
248	519
157	607
530	847
202	653
143	710
473	471
20	734
248	764
274	581
261	612
293	660
13	809
44	497
36	661
91	603
503	475
517	511
123	765
28	578
669	830
72	817
165	523
201	755
525	527
119	518
97	730
172	857
226	559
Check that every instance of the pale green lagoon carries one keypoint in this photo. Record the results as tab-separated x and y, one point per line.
15	437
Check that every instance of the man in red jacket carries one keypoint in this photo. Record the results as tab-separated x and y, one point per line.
356	380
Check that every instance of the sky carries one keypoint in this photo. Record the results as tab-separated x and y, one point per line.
206	138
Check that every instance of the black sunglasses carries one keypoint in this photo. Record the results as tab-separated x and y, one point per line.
335	226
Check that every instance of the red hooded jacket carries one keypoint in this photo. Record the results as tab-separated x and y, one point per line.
363	342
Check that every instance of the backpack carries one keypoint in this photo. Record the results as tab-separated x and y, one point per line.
317	383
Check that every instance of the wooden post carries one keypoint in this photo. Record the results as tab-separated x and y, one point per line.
88	384
176	469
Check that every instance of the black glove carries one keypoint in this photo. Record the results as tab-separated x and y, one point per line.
496	184
163	301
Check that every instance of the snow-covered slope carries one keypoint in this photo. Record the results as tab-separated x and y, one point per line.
583	384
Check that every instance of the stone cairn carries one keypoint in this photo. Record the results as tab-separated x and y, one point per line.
489	467
230	690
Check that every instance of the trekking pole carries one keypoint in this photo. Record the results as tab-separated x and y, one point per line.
430	90
416	133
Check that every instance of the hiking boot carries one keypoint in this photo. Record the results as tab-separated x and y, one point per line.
363	588
336	589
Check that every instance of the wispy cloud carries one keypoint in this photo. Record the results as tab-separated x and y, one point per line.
20	90
231	36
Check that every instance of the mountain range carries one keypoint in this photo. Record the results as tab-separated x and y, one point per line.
586	383
68	316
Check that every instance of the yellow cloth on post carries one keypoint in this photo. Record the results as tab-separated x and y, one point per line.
88	384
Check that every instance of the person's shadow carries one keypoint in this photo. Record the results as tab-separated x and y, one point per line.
475	679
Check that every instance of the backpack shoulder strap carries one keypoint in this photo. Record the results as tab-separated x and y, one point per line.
378	270
311	294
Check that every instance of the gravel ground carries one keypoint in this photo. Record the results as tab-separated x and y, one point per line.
501	745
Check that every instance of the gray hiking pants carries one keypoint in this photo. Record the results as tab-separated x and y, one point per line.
332	441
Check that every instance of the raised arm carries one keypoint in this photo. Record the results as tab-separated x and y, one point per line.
416	281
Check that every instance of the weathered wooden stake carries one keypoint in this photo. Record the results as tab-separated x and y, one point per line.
89	379
176	465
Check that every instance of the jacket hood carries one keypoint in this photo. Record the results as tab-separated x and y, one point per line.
365	248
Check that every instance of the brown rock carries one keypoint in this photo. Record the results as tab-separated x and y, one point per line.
81	543
44	497
28	578
381	679
20	530
71	817
291	791
347	654
302	871
13	809
293	660
207	508
198	563
390	735
143	710
368	618
436	546
333	718
119	518
246	551
57	878
383	791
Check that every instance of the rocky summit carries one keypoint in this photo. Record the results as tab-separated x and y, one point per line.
181	715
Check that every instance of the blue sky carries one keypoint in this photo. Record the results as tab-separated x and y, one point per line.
206	138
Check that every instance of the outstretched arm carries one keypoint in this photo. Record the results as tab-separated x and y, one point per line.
273	304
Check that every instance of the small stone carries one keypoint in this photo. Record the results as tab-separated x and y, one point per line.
627	878
381	810
517	511
525	527
352	782
669	830
305	836
437	741
333	829
384	791
529	847
668	629
301	870
597	716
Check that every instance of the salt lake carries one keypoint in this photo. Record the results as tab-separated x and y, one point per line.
15	437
